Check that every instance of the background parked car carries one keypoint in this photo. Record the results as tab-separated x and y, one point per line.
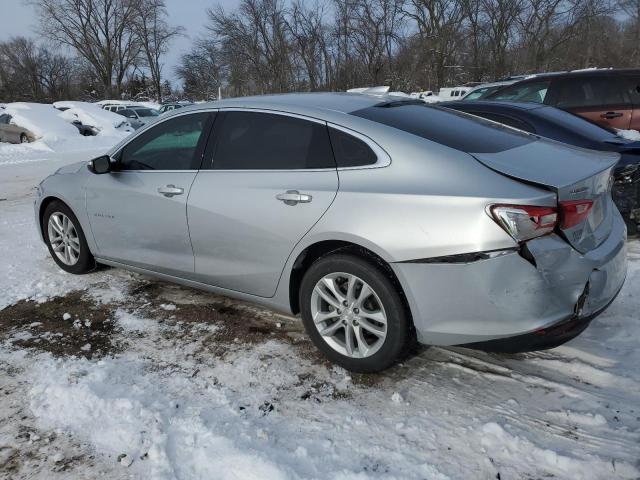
90	119
610	98
138	116
486	89
169	107
12	133
36	121
565	127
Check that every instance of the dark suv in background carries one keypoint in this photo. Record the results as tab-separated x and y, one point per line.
606	97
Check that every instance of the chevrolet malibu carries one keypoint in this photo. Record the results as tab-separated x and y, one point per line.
380	221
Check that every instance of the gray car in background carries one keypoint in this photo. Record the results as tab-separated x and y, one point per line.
138	116
12	133
380	220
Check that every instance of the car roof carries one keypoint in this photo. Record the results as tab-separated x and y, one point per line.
322	102
579	73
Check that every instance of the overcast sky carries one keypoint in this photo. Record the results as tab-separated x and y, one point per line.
18	18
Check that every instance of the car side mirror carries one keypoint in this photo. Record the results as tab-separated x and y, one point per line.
100	165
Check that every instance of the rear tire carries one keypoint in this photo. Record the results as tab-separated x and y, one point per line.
66	240
24	138
361	331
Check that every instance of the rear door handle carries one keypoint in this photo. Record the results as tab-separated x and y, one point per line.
610	115
170	190
293	197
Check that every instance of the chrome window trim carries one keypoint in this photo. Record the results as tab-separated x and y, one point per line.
383	158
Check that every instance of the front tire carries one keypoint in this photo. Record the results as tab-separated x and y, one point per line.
354	314
24	138
66	240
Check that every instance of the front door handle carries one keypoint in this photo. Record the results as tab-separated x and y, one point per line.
293	197
170	190
610	115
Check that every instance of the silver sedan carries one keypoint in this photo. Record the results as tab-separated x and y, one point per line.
380	221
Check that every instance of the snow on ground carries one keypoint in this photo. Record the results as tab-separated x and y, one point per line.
114	375
632	135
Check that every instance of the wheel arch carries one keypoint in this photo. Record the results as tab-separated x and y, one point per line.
322	248
43	206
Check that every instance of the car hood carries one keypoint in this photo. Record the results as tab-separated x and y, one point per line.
71	168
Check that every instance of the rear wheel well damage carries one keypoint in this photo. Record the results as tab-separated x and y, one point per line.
321	249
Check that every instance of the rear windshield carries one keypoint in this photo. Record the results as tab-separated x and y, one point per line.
450	128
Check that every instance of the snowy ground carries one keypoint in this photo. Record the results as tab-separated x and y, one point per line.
114	375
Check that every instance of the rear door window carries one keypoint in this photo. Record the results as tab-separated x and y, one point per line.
265	141
587	91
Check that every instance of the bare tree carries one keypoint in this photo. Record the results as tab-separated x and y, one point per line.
309	42
99	31
254	38
155	35
500	30
33	72
200	71
439	24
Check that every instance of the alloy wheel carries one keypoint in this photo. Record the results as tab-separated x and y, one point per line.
63	238
348	315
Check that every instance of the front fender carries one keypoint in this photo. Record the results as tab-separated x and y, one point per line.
70	189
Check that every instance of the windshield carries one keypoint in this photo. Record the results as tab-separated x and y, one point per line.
482	92
523	92
146	112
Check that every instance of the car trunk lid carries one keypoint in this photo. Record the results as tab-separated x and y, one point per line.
581	179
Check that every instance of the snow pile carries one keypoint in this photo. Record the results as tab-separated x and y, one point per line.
123	414
42	120
56	136
432	99
90	114
632	135
507	449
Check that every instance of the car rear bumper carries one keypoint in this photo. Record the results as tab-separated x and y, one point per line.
454	303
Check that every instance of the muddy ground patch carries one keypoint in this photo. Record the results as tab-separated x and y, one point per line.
74	324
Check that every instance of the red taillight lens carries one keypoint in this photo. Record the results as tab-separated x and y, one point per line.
573	212
524	222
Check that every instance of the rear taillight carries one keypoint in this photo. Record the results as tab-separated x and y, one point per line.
573	212
524	222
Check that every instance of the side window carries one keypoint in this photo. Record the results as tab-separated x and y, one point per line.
526	92
350	151
506	120
264	141
589	92
4	119
171	145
